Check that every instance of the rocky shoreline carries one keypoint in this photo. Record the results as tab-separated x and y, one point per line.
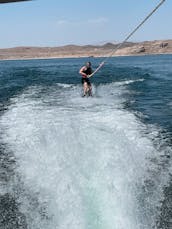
75	51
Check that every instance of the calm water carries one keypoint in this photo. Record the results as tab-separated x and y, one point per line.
86	163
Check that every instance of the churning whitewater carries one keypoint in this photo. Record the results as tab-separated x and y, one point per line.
82	163
86	163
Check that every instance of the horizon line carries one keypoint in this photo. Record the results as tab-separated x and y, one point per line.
101	43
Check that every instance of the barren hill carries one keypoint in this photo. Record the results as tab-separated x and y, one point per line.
129	48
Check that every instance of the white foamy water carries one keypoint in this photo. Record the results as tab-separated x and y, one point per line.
83	162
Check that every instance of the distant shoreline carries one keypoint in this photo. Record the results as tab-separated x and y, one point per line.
75	57
158	47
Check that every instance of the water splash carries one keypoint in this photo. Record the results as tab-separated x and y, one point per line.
84	162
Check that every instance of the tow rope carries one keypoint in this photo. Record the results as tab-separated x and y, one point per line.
127	38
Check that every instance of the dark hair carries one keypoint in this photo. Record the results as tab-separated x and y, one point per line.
88	63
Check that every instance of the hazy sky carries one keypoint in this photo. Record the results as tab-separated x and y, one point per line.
61	22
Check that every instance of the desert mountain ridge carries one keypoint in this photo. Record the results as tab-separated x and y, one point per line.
67	51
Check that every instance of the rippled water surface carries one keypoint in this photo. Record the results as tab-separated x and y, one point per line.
86	163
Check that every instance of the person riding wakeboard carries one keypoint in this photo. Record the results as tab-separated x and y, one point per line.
86	71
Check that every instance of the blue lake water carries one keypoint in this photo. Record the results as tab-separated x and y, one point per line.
86	163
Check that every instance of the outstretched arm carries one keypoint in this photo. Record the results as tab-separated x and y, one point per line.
101	64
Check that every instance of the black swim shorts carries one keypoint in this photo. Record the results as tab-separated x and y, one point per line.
86	80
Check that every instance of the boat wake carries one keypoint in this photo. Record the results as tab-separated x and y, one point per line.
83	163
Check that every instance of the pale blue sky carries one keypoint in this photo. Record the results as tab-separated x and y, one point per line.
61	22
